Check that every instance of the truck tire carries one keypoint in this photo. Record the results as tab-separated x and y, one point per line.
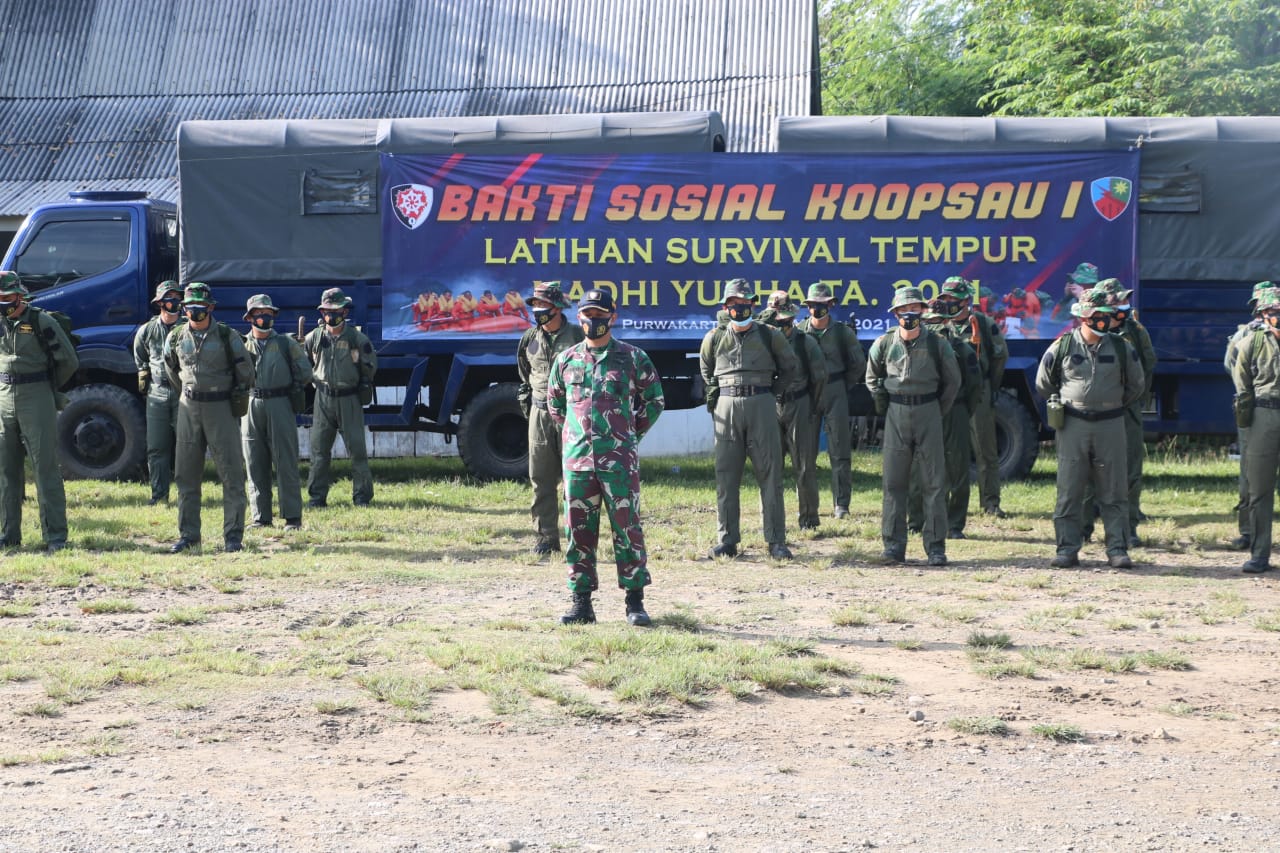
102	434
493	436
1017	440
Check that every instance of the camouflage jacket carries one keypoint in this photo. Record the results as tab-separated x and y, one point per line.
604	401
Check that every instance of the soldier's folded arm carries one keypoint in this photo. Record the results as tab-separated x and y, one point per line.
1135	384
241	364
1044	373
649	391
951	379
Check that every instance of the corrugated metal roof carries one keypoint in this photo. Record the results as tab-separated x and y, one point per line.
92	91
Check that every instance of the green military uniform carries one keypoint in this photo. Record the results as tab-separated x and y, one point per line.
36	358
342	360
535	354
744	365
1095	380
162	398
795	406
846	366
1257	379
270	430
914	383
207	366
1242	333
957	450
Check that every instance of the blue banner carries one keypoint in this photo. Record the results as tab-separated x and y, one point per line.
465	237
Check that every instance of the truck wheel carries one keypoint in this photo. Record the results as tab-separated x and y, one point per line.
102	434
493	437
1017	441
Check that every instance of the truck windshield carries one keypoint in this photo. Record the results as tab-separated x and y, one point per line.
63	251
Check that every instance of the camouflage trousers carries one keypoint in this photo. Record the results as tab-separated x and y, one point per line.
619	492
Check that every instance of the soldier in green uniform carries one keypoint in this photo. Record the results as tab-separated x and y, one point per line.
1091	377
914	380
162	398
605	395
1242	542
536	352
36	359
846	366
343	364
1257	379
745	365
282	372
955	425
208	363
984	336
795	405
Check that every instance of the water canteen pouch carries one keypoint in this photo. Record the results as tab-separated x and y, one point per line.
365	392
1055	412
1243	405
239	401
297	398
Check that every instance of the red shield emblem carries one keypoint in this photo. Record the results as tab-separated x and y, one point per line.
412	204
1111	196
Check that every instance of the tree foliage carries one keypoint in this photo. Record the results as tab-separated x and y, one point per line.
1052	57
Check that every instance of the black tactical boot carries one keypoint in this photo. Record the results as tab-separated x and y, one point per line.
635	608
580	613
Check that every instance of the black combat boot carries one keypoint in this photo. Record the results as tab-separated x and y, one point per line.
580	613
635	608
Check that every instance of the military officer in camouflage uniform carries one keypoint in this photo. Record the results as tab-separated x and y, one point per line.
153	381
795	405
604	395
537	350
745	365
343	364
1257	379
208	362
957	451
846	365
1242	333
36	359
914	380
984	336
282	372
1095	376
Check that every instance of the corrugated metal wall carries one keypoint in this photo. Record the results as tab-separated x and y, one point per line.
91	91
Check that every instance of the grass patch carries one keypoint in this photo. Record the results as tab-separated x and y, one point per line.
1267	621
979	640
184	616
1177	709
103	606
41	709
909	644
851	617
1172	660
1095	659
1059	732
16	609
990	726
336	707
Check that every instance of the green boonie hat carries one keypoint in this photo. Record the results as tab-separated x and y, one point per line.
957	287
906	296
549	291
932	315
781	306
334	299
198	293
1267	299
740	288
1259	289
819	292
1092	302
1086	273
10	283
1114	289
166	287
261	300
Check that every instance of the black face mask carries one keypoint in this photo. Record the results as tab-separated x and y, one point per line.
197	313
170	305
1121	316
1101	325
909	319
334	318
542	316
739	312
263	321
596	327
817	312
10	308
785	325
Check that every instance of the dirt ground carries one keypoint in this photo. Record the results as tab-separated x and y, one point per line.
1171	760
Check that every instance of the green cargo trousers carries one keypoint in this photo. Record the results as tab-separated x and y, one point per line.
913	437
271	436
162	422
1091	453
833	411
957	455
1260	461
209	427
27	418
1242	505
982	433
800	442
333	415
544	474
747	428
1135	455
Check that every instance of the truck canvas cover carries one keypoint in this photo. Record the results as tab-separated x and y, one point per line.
1206	203
297	200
